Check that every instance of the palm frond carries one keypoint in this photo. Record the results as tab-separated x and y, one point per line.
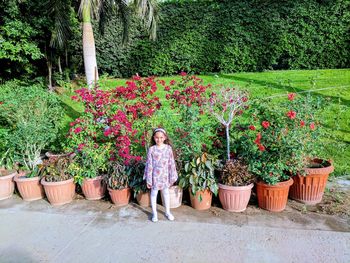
93	5
61	29
148	11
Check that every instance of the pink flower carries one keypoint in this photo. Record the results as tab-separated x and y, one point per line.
136	77
167	88
265	124
182	73
81	146
312	126
172	82
77	130
252	127
74	97
291	114
107	132
291	96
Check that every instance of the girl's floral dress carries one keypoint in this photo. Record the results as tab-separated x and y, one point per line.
160	171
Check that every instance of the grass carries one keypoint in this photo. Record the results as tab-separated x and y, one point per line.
333	85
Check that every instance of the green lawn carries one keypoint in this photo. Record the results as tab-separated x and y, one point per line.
332	85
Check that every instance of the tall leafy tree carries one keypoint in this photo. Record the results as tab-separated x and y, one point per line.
100	10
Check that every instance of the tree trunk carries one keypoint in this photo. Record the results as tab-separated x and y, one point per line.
59	65
89	49
228	141
49	69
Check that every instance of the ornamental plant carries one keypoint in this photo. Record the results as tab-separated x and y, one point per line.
112	116
187	98
225	105
199	174
277	139
29	121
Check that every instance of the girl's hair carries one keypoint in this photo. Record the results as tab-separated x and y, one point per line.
166	141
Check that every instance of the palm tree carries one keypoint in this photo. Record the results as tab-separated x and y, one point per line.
147	10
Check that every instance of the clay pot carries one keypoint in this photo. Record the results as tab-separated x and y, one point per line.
30	189
235	198
309	189
206	198
94	188
143	199
7	186
175	196
273	197
120	197
59	193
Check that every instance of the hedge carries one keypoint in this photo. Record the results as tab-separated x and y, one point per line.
232	36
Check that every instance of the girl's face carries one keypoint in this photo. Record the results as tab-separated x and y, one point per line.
159	138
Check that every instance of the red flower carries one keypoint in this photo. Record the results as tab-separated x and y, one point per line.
302	123
265	124
172	82
182	73
252	127
74	97
291	114
261	147
312	126
258	138
291	96
167	88
77	130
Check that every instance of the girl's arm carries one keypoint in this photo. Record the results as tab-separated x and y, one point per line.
149	169
172	168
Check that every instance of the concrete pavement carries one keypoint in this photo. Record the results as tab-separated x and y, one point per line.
97	231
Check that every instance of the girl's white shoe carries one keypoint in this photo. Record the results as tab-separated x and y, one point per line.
170	217
154	218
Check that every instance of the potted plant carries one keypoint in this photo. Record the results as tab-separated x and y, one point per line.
31	117
7	173
310	182
29	186
89	168
274	145
235	186
59	185
199	177
138	184
117	181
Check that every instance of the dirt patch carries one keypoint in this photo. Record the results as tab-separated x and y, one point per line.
335	201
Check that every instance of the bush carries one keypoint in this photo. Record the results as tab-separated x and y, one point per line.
233	36
30	115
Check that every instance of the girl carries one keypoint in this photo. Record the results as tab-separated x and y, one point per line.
160	171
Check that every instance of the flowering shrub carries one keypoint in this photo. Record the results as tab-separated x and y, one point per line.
225	105
277	140
187	98
111	117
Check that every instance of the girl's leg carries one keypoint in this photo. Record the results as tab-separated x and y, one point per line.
154	194
166	198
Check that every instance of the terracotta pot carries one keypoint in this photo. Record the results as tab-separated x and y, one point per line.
7	186
205	203
94	188
59	193
175	195
30	189
235	198
309	189
120	197
273	197
143	199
